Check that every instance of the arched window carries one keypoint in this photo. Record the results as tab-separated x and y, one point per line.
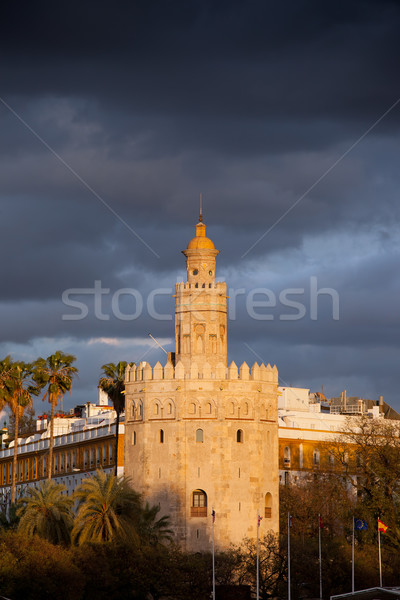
239	436
316	457
199	504
199	435
192	408
268	506
161	436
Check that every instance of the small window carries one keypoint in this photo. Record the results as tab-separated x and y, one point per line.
316	457
161	436
199	504
286	457
268	506
134	438
192	408
239	436
199	435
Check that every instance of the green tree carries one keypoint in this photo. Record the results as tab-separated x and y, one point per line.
112	382
31	568
108	509
368	457
47	512
16	391
154	531
56	372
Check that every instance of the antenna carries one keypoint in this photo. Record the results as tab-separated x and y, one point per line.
154	340
201	208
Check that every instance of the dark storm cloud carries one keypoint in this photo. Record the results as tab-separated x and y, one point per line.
150	103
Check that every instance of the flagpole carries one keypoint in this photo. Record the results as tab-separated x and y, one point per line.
320	557
213	554
258	578
380	557
352	558
288	542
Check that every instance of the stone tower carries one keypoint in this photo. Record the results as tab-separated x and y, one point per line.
200	307
202	435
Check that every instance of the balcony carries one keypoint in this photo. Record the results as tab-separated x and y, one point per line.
198	511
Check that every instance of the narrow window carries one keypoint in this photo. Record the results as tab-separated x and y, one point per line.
199	435
239	436
161	436
286	458
268	506
316	457
134	438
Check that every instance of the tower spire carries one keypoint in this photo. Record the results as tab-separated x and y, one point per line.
201	209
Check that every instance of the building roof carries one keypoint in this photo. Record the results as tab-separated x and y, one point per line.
376	593
200	241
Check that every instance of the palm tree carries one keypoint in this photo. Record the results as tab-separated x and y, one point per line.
154	531
108	509
16	390
113	383
47	512
56	372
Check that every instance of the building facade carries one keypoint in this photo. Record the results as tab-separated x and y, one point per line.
82	444
202	436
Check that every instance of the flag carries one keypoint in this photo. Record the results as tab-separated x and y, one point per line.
382	527
290	520
320	522
360	524
213	515
259	521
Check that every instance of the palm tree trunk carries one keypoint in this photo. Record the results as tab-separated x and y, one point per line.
116	444
50	465
15	461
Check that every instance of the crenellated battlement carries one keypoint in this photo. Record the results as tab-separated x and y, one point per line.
220	286
144	372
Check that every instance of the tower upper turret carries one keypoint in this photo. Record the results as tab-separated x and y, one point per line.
200	257
200	307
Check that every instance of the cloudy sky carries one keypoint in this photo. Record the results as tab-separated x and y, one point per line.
114	118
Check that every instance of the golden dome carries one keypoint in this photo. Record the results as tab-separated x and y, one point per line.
200	241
